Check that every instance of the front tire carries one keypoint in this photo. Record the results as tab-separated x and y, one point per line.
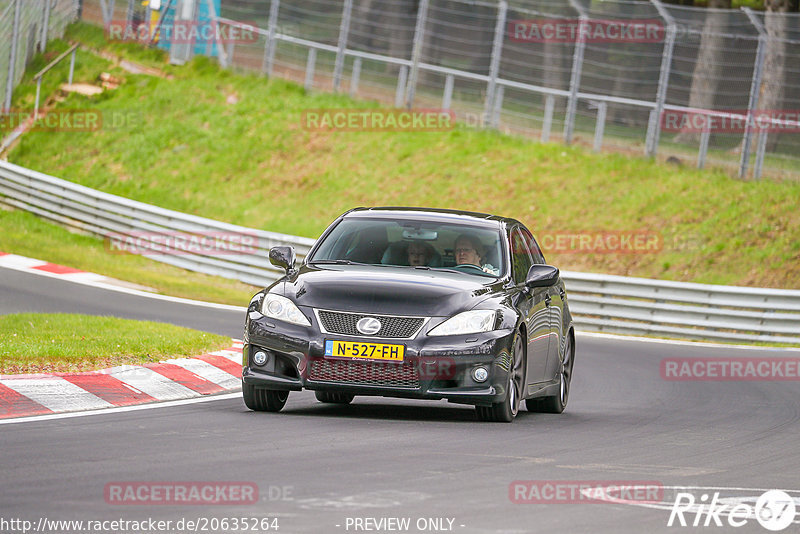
329	397
505	411
263	400
557	403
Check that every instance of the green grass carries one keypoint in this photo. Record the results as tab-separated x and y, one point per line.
64	342
27	235
231	147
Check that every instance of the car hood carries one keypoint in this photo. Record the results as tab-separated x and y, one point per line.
386	290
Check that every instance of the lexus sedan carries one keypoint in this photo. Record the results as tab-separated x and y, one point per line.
414	303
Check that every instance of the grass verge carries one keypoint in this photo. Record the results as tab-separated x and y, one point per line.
64	342
232	147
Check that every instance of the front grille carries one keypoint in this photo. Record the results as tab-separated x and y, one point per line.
403	375
345	323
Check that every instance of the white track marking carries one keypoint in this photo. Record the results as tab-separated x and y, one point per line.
55	393
151	406
151	383
232	355
207	371
20	263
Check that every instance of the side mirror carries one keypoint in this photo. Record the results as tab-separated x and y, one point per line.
282	257
541	276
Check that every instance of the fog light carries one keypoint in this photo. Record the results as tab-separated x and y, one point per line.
260	358
480	374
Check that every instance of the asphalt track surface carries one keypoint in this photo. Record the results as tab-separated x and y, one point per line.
318	465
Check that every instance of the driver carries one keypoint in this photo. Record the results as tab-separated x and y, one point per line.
470	251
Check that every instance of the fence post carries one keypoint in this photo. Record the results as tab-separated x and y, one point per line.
221	52
72	66
310	63
344	31
45	25
701	155
354	77
129	18
760	151
494	64
549	107
494	122
12	57
416	54
269	49
755	87
447	97
600	126
575	76
402	78
654	126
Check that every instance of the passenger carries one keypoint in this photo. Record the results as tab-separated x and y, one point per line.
419	254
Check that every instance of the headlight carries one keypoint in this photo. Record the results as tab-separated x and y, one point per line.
469	322
283	309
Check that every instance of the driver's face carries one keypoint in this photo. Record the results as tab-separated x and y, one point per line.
466	253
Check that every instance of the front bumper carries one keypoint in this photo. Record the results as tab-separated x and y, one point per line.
433	367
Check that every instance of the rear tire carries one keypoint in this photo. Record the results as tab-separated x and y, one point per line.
263	400
505	411
330	397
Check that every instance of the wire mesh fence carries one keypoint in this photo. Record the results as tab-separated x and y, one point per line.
705	86
21	35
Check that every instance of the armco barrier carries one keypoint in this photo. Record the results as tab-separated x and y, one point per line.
599	302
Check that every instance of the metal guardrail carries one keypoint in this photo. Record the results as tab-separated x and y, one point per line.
599	302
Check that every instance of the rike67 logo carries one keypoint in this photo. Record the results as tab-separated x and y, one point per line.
774	510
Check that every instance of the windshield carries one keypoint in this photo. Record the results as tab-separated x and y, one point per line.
414	244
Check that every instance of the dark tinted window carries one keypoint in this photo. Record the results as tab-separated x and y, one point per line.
533	246
521	260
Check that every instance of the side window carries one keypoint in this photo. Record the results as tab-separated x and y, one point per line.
520	256
536	252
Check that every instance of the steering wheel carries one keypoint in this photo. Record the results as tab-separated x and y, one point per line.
468	265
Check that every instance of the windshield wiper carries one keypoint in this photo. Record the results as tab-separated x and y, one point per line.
336	262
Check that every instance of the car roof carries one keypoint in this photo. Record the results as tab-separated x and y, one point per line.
431	214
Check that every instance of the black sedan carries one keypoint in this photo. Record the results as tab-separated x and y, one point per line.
414	303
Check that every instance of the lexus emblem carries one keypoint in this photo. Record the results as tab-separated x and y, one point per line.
368	326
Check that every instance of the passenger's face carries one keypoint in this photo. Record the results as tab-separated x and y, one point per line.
466	253
417	255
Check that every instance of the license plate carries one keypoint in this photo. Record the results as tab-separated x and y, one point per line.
366	351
